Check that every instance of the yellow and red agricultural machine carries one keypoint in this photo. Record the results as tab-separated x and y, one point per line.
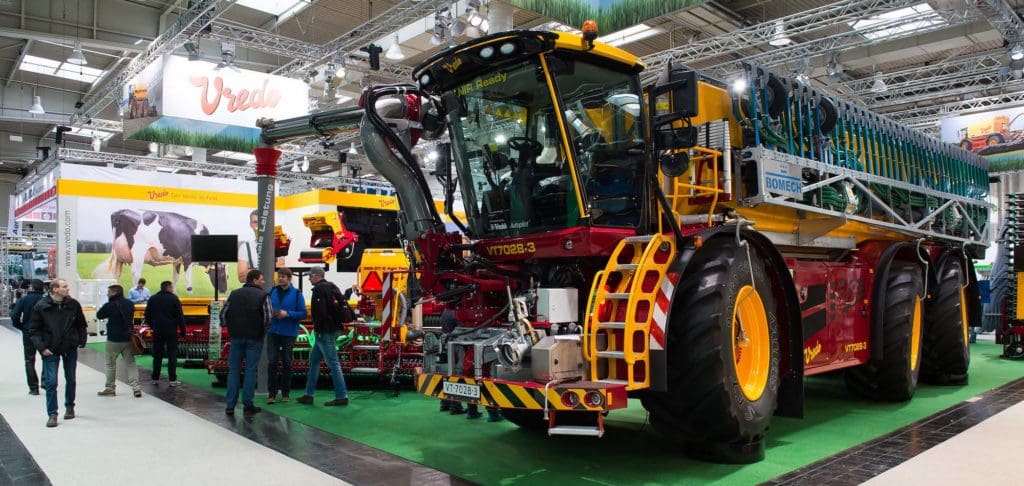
700	249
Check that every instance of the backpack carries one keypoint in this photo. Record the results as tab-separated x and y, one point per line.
338	308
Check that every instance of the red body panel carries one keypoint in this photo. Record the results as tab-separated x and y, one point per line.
580	241
835	307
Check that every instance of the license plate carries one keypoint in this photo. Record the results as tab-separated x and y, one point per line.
462	389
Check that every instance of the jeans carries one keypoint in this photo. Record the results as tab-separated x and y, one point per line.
165	346
115	349
30	362
250	350
279	348
50	364
324	349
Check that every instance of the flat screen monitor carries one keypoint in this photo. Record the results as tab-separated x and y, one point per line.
214	248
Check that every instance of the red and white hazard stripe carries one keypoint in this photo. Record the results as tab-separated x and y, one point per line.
388	295
661	307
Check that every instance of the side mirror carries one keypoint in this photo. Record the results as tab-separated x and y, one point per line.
674	165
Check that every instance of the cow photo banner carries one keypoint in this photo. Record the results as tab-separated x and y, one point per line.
120	225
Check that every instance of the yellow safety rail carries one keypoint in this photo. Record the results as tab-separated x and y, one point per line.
681	189
621	308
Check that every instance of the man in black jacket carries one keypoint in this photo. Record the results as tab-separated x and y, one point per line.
330	311
119	313
246	315
166	319
57	330
21	316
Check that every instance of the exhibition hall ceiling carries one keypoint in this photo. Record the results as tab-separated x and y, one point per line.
935	58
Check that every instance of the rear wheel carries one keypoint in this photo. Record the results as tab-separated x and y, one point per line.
723	361
947	352
994	139
894	377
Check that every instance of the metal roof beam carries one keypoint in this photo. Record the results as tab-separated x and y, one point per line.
188	24
931	115
387	22
805	22
1003	18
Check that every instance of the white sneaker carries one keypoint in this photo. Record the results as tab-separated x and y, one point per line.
174	383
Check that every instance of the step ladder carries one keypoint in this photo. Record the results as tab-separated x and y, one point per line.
620	310
596	430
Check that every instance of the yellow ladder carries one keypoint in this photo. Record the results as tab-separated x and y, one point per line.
622	303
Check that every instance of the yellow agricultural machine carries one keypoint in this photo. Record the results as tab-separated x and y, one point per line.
700	249
329	240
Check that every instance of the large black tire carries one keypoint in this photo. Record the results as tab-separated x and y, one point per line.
705	408
894	377
947	352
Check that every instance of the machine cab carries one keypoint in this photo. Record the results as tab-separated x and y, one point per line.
546	132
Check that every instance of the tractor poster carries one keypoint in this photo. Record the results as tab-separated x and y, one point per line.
996	135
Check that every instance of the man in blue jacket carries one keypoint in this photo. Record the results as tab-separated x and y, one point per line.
21	315
289	308
120	315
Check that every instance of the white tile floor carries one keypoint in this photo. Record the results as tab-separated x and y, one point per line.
984	454
123	439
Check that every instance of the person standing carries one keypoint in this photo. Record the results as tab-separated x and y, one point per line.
289	308
167	320
58	328
328	307
140	294
246	315
21	317
119	313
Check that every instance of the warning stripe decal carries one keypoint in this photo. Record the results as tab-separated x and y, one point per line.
385	313
505	395
661	308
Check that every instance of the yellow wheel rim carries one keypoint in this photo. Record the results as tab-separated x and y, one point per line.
963	315
751	343
915	336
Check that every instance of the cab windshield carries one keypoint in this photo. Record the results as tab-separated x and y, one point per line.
515	175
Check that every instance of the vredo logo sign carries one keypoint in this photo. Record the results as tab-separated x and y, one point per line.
200	90
213	93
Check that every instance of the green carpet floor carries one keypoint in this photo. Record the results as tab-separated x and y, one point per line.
630	452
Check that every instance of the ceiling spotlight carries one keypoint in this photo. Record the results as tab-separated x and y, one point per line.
340	72
472	32
878	85
485	25
740	85
37	106
395	51
295	166
779	37
96	143
76	55
1017	52
352	149
305	164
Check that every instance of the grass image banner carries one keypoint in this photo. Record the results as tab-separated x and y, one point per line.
197	133
631	452
610	15
94	266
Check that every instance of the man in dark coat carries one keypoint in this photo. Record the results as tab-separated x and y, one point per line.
58	328
330	311
119	313
246	314
166	319
21	316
